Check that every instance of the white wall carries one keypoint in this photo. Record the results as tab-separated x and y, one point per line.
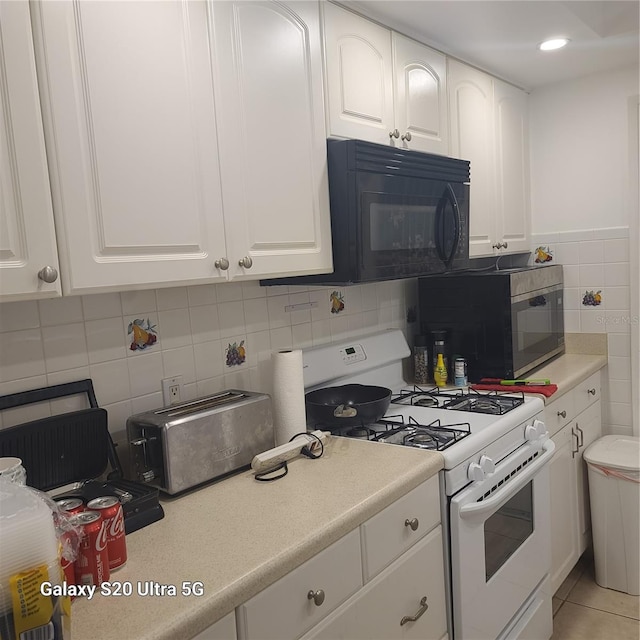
584	204
579	153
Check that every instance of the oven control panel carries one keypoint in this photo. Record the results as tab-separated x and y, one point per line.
353	353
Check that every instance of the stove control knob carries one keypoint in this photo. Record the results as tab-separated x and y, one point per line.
487	465
535	431
475	472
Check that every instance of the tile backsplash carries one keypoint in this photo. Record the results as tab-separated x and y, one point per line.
597	300
215	336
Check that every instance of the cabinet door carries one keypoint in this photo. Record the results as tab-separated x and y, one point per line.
131	136
28	241
420	96
564	515
224	629
376	611
471	123
359	77
589	428
272	138
512	167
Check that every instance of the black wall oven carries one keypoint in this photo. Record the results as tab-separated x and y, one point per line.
395	214
505	323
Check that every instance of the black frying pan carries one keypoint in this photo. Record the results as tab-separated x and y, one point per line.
347	405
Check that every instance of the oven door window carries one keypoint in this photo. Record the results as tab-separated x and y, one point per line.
507	529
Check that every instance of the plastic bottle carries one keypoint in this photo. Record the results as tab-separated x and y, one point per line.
440	372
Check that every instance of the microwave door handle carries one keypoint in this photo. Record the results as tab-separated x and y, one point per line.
447	197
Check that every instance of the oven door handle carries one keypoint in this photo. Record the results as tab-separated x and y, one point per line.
478	510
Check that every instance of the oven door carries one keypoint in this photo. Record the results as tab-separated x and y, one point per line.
537	323
500	542
411	226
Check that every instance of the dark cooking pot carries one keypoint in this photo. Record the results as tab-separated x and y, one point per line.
347	405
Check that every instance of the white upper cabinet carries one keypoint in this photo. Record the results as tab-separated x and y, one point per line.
489	127
269	101
131	140
420	95
359	76
472	133
383	87
27	235
512	166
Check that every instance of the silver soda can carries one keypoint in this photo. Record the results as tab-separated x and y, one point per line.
460	372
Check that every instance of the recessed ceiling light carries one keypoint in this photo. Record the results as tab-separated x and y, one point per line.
554	43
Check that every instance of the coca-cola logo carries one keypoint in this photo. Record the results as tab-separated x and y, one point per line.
116	526
101	538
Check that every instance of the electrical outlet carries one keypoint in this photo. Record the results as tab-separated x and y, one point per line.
171	390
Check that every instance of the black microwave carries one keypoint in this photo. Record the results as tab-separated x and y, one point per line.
503	322
395	213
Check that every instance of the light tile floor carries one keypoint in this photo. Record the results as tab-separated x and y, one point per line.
582	610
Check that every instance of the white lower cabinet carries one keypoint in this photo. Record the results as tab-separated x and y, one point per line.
224	629
384	580
575	421
407	600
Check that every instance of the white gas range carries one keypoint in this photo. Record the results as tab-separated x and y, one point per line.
494	486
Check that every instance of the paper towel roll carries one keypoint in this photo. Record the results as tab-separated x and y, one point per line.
289	416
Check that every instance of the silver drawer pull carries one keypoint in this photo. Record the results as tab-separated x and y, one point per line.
407	136
222	264
591	391
413	523
394	134
48	274
246	262
423	607
562	414
316	596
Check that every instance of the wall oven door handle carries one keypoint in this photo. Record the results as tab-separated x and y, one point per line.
478	510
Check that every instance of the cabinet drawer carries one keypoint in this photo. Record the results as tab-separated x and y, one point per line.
587	392
559	412
376	611
284	610
389	534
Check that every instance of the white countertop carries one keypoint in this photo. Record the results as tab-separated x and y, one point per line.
567	371
238	536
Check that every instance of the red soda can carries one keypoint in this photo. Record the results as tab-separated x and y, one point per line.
70	505
92	563
67	564
113	516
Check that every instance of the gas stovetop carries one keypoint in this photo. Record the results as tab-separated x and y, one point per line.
491	402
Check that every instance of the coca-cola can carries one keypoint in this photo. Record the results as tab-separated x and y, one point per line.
92	563
70	505
66	562
113	516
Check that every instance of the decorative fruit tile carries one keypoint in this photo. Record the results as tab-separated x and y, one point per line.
142	333
235	354
337	301
543	254
592	299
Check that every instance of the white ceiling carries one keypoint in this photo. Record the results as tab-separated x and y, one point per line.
501	36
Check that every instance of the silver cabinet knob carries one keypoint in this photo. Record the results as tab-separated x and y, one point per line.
413	523
48	274
591	392
394	134
246	262
562	414
498	245
316	596
504	245
222	264
407	136
423	607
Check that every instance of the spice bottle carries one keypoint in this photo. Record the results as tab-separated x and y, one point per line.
440	372
420	360
439	347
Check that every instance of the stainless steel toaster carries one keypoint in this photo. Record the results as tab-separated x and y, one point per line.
181	446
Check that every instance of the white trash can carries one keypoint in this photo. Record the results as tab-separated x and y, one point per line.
614	488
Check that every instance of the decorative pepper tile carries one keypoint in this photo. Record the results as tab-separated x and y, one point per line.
142	334
543	254
337	302
591	299
236	354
